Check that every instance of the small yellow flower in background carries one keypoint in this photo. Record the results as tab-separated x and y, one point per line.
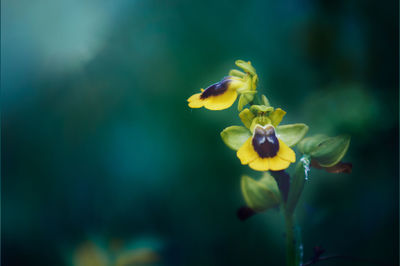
218	96
264	151
223	94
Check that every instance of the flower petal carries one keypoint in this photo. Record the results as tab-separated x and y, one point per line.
222	101
260	164
246	153
276	163
195	101
285	152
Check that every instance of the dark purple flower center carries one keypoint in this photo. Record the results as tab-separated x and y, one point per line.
216	89
265	142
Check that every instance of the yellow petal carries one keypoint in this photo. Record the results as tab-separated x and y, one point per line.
276	163
246	153
286	153
222	101
260	164
195	101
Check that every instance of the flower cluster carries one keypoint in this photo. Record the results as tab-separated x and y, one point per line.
265	145
262	143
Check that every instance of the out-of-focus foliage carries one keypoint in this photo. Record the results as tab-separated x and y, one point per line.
97	138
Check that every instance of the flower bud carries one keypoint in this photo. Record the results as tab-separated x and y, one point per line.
327	151
260	195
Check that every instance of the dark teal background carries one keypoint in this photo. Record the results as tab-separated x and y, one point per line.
98	141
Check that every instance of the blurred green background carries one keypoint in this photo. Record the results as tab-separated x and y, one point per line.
99	145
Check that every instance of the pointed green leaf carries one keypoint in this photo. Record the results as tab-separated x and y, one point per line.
291	134
260	195
235	136
247	117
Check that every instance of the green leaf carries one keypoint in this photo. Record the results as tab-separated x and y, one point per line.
247	117
331	151
235	136
291	134
260	195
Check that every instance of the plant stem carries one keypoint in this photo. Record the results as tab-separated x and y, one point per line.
290	241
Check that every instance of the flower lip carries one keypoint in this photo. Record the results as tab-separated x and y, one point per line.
265	142
216	89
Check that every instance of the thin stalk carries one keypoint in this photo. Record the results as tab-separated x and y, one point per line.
290	241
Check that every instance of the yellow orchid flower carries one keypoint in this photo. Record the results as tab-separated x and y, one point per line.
223	94
264	151
220	95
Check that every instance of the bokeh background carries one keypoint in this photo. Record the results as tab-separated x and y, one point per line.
101	154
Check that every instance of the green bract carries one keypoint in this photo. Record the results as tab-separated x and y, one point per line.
291	134
327	151
296	187
260	195
235	136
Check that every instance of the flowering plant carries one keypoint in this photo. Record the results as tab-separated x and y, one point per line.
265	145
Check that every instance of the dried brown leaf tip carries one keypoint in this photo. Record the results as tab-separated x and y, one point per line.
340	167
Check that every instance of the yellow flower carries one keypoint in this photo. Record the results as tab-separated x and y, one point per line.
264	151
220	95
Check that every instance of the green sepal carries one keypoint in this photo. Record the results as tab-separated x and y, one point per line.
276	116
297	183
260	195
327	151
245	98
235	136
261	109
247	117
246	66
237	73
291	134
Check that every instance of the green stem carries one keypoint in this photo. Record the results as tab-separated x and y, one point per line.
290	241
